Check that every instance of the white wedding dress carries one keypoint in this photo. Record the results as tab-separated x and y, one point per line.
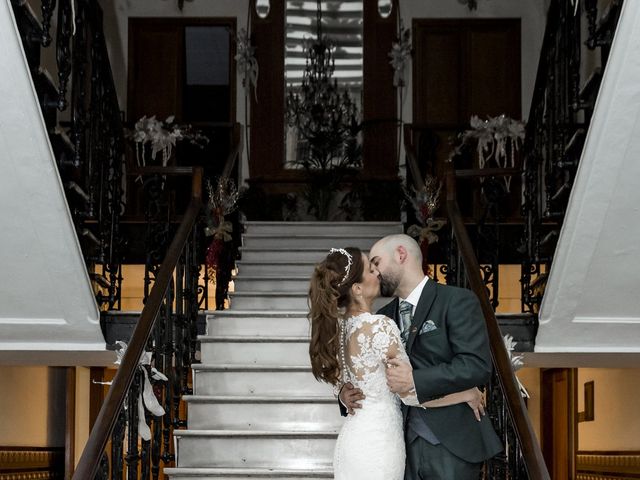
371	442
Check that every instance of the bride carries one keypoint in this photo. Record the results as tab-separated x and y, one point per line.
351	344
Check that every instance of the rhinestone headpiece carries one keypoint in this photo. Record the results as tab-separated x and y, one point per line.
347	267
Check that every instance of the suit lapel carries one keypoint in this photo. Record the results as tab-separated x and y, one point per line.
422	310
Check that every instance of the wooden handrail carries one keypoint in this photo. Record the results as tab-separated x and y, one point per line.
533	459
99	436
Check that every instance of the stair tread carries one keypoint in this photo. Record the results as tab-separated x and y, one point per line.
283	249
252	339
271	277
275	262
257	433
256	399
314	222
348	236
311	472
256	313
268	294
227	367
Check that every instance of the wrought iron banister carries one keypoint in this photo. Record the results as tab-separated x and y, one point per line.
92	456
528	445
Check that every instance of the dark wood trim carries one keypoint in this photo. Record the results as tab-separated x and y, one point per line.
266	125
70	423
96	394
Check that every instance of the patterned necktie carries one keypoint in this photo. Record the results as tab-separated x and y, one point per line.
406	315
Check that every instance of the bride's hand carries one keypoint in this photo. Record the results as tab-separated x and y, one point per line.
477	402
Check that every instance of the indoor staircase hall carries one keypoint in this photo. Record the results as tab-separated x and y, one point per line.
257	411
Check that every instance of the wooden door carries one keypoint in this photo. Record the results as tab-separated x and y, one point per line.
558	422
461	67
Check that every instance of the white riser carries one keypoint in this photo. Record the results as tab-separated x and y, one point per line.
321	415
257	353
246	474
276	451
297	285
304	241
264	301
224	323
260	383
268	255
323	228
274	269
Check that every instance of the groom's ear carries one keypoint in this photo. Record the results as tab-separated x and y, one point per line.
402	254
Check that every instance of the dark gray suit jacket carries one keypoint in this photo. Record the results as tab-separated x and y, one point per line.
451	357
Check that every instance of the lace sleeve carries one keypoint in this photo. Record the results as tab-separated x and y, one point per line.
369	343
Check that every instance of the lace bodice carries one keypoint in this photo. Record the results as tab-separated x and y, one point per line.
368	341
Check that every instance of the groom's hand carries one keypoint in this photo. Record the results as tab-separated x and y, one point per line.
350	396
399	376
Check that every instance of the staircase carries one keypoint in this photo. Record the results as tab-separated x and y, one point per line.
257	411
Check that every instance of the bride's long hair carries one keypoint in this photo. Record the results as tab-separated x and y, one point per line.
329	293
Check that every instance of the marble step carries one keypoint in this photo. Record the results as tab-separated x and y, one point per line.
243	473
267	283
320	241
283	268
286	254
263	413
243	350
274	301
255	323
268	301
254	448
323	228
259	381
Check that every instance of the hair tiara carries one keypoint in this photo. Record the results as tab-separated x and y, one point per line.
347	267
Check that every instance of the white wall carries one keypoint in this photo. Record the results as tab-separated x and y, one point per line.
617	424
32	406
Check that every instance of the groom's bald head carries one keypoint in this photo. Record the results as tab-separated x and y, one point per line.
399	262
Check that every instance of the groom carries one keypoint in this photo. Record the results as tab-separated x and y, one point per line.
446	340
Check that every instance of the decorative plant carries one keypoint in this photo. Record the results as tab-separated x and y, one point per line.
162	136
223	200
516	361
425	201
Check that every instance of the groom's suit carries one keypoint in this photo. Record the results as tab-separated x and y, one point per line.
449	351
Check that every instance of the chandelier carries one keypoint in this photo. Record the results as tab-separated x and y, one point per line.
325	118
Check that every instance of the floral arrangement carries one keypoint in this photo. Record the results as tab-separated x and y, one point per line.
246	61
497	138
425	202
223	200
400	55
162	137
516	361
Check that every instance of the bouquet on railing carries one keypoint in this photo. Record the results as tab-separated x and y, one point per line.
516	362
162	136
497	139
223	200
425	202
147	398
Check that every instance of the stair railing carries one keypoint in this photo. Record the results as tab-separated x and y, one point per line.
172	343
522	457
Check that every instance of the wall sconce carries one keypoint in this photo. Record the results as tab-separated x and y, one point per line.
262	8
588	415
384	8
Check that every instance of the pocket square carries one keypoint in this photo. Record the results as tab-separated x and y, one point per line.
427	326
